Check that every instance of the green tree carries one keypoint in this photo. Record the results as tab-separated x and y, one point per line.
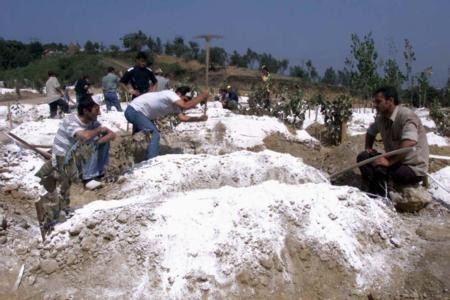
298	71
393	76
90	47
364	66
237	60
410	57
195	49
423	85
329	76
312	72
134	41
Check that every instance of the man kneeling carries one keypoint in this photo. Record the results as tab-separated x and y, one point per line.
399	127
81	146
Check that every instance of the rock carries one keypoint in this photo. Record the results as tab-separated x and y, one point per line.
411	199
266	262
109	234
395	242
243	277
332	216
71	259
88	243
3	240
122	217
24	224
91	223
76	229
48	266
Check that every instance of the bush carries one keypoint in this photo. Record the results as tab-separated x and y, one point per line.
336	114
441	118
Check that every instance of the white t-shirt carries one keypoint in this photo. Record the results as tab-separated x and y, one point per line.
50	87
157	105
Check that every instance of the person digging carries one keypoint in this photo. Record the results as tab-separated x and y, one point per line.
144	110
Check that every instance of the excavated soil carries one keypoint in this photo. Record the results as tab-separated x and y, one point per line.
313	276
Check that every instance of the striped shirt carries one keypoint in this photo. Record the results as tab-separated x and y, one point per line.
65	136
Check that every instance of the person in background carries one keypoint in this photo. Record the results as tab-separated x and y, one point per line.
109	84
143	111
163	81
72	104
139	78
55	95
82	88
229	98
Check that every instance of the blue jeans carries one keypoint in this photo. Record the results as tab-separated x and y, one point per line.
142	123
112	100
95	164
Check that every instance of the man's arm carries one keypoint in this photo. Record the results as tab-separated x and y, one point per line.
185	118
109	136
88	134
389	161
192	103
370	139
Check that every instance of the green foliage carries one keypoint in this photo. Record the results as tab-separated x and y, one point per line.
363	64
335	114
329	76
410	57
134	41
298	71
424	87
289	107
217	56
68	68
393	76
175	71
441	118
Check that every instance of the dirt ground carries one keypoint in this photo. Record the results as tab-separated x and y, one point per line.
428	233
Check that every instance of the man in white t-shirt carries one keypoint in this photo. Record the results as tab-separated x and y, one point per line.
145	109
55	95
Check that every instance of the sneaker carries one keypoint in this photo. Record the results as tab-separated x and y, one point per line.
93	184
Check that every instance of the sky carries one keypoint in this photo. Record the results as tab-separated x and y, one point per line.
319	30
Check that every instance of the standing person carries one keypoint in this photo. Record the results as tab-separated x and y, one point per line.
109	85
266	79
55	95
163	82
82	88
399	127
145	109
67	98
139	77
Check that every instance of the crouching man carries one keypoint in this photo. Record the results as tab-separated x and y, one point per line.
81	148
144	110
399	127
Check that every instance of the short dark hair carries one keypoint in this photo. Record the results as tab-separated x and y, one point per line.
141	55
110	69
388	92
51	73
183	90
85	103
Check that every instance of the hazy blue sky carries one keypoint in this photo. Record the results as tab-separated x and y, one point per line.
297	30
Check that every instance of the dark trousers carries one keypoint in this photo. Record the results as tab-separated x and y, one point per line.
377	176
58	103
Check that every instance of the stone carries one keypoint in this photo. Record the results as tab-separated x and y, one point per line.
91	223
266	262
88	243
48	266
122	217
3	240
410	199
76	229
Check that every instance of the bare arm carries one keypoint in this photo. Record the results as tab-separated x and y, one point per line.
86	135
109	136
389	161
370	139
192	103
185	118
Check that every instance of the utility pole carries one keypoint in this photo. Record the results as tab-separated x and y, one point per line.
207	38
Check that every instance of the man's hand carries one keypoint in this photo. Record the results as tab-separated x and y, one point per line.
381	161
134	92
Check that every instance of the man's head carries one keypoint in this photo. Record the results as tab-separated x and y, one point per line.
141	59
385	99
110	69
88	109
182	91
51	73
264	70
